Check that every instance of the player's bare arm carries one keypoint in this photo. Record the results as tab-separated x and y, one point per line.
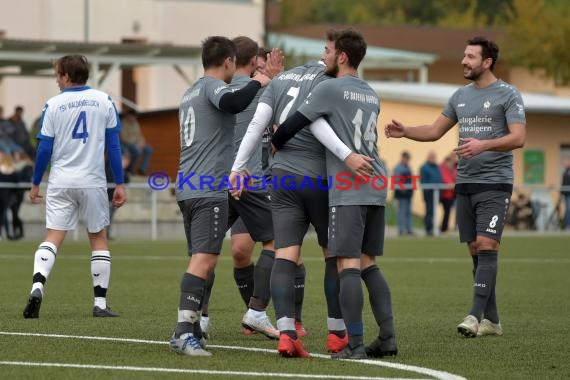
359	164
428	132
470	147
119	196
35	194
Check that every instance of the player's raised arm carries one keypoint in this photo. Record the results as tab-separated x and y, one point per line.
428	132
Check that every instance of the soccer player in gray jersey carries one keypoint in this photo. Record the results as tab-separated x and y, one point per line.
207	125
250	217
293	210
356	204
492	123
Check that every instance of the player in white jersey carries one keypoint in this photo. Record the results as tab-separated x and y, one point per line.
75	129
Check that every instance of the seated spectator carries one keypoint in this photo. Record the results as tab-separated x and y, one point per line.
135	143
522	213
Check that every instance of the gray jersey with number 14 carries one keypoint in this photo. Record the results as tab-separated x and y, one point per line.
351	107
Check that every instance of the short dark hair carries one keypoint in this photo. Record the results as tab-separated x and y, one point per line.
351	43
246	50
489	49
75	66
19	109
215	50
262	52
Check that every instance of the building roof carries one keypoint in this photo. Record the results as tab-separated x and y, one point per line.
35	57
376	57
438	94
446	43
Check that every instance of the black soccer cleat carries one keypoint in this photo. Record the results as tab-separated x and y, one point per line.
380	348
32	309
356	353
107	312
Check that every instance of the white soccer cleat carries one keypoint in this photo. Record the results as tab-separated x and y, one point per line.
259	323
205	326
189	345
488	328
469	327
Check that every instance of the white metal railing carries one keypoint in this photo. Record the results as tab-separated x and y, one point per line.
546	199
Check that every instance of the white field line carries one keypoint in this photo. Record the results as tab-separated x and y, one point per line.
182	257
194	371
404	367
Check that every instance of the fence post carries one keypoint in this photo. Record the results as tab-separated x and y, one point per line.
435	211
153	214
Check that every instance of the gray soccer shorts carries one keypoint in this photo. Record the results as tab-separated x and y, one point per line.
356	229
205	224
239	227
483	214
254	209
294	210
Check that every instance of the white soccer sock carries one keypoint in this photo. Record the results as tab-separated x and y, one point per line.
43	263
101	272
335	324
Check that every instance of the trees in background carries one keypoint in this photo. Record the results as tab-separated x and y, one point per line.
537	31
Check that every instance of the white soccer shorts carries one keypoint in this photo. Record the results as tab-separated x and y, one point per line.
65	206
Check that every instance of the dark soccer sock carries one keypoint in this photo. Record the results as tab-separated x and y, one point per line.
283	295
351	303
380	300
484	282
491	312
244	282
208	285
191	295
475	261
300	275
332	288
261	278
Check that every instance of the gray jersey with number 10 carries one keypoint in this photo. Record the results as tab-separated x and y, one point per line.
206	141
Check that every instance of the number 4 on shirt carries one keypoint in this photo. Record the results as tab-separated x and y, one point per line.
81	122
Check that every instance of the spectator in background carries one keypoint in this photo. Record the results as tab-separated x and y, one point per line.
7	174
135	143
448	172
18	132
429	175
7	145
404	197
566	193
34	132
23	171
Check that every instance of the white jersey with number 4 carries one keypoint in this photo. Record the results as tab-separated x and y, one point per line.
77	120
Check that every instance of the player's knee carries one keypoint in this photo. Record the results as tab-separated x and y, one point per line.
241	254
484	243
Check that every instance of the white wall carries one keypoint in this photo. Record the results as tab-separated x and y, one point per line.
179	22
